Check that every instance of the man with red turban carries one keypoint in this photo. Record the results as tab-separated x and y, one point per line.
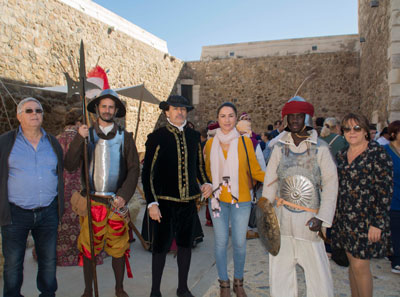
301	178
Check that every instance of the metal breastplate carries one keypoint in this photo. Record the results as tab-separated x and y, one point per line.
105	163
299	178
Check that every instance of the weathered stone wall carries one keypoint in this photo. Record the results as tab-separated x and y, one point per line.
373	25
37	36
394	60
261	86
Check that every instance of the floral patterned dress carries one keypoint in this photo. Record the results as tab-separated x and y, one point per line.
69	228
365	191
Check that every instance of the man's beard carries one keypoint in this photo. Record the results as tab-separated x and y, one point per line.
107	120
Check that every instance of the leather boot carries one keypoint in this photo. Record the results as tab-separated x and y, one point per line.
225	288
238	287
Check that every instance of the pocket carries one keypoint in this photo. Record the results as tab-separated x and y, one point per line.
79	204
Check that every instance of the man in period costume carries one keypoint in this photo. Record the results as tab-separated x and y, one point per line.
301	176
172	166
113	172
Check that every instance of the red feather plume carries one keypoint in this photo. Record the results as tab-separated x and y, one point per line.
99	72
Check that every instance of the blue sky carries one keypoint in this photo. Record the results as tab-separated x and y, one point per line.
189	25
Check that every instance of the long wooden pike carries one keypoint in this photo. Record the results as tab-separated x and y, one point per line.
82	79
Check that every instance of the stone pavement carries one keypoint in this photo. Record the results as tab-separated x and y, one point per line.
386	283
203	275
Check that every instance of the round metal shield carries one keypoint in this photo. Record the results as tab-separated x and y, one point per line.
298	190
268	226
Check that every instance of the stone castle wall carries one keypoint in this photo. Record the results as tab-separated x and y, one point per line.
374	60
37	37
261	86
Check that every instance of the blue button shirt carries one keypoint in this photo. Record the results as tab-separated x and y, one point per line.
32	176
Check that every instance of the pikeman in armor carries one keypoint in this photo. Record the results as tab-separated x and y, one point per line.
301	178
172	167
113	175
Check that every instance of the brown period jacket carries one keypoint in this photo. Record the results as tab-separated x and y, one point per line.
74	158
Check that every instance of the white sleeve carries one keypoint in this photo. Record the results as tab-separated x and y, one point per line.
260	158
271	176
329	185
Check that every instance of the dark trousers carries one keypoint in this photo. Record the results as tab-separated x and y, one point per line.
43	224
395	230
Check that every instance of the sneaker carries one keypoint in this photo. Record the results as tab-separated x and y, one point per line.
396	269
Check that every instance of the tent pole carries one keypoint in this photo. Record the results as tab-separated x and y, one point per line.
139	110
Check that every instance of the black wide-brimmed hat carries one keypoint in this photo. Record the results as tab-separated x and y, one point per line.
110	94
177	101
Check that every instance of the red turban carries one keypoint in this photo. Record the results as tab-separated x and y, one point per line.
297	107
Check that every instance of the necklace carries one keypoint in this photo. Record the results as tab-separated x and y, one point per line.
302	136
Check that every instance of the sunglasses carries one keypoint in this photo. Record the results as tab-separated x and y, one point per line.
30	110
356	128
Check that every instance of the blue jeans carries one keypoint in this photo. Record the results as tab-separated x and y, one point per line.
395	230
43	224
239	218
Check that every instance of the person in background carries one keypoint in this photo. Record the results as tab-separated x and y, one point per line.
332	135
319	123
253	136
264	140
203	137
268	149
361	225
270	128
68	230
31	198
212	129
384	137
372	131
393	149
278	128
228	168
244	128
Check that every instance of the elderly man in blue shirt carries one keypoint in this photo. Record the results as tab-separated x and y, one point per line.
31	198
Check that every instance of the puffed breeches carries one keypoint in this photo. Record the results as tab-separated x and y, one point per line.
110	232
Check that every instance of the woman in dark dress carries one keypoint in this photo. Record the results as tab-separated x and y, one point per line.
361	225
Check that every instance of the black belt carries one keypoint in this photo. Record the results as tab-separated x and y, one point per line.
30	210
101	199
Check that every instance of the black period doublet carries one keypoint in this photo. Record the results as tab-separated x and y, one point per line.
173	168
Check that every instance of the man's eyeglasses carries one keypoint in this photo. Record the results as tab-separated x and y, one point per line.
356	128
30	110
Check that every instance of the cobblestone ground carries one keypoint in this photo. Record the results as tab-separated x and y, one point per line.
386	283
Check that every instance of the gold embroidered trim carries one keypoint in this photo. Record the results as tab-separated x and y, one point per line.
186	165
183	192
152	172
202	165
185	199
